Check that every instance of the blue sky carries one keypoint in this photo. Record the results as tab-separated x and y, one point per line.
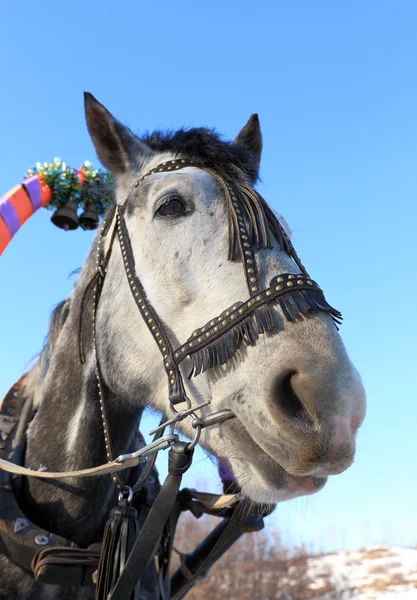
335	87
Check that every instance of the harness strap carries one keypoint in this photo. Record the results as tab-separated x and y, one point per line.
197	503
65	566
180	458
165	550
102	259
196	565
211	501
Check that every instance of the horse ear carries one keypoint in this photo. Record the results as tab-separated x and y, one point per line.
117	147
250	137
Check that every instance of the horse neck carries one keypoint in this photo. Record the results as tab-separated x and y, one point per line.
67	434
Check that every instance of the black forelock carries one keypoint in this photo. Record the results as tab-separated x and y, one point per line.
205	146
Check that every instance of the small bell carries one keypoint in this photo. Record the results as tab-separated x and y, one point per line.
89	218
66	217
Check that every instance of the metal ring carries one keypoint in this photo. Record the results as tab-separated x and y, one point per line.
122	497
186	399
196	438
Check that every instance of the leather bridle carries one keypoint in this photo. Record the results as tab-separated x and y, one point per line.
251	223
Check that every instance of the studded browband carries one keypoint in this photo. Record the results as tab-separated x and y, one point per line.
251	223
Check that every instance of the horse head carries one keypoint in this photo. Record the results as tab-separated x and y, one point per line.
296	397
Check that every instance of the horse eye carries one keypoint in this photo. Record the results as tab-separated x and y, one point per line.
173	207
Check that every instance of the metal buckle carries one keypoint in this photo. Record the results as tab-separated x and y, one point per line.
162	443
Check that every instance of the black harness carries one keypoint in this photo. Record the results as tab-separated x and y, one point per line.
125	552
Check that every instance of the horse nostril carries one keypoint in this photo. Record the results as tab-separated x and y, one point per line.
287	400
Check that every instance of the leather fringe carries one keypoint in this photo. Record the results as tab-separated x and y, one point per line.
220	351
294	304
120	534
300	302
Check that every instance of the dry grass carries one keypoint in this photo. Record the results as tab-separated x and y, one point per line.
258	567
382	569
370	554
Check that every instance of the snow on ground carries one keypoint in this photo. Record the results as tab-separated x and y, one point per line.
368	574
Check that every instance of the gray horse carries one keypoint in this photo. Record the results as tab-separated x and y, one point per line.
297	398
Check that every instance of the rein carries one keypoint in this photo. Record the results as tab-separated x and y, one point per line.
125	552
124	461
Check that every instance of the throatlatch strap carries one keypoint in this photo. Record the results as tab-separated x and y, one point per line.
180	458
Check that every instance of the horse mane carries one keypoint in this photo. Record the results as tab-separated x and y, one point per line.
34	381
204	145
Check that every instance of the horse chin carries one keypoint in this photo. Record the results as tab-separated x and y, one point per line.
264	490
263	480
